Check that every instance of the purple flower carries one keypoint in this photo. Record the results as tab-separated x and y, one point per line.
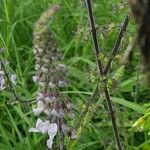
40	108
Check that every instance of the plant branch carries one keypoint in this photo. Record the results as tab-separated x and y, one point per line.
97	52
117	44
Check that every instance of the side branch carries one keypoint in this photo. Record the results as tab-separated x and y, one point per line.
117	44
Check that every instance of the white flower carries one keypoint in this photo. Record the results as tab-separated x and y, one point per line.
47	112
46	127
52	131
40	108
41	126
13	79
49	143
61	113
42	84
37	66
35	78
45	70
40	50
40	96
54	113
50	99
34	51
62	83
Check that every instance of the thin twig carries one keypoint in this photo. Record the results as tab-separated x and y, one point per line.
97	52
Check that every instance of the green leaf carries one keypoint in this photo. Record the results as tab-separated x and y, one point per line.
129	104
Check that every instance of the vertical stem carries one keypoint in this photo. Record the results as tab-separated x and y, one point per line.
113	119
61	135
97	52
94	36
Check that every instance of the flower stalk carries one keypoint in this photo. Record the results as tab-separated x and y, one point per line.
50	78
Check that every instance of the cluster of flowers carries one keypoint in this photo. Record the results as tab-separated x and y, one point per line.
52	106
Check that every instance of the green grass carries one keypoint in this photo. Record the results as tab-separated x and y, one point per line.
71	29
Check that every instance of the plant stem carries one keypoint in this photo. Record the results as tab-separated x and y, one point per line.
61	135
97	52
94	36
9	82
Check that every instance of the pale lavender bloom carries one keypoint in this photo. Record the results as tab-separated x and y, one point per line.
47	112
2	81
40	108
59	114
62	83
41	126
37	49
45	70
40	96
37	67
55	113
40	50
42	84
46	127
38	127
13	79
34	51
49	143
52	131
35	78
50	99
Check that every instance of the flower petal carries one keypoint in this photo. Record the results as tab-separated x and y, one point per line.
33	130
52	130
49	143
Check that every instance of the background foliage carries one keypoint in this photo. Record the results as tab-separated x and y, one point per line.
71	29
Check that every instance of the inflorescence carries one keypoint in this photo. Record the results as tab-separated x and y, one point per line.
52	107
